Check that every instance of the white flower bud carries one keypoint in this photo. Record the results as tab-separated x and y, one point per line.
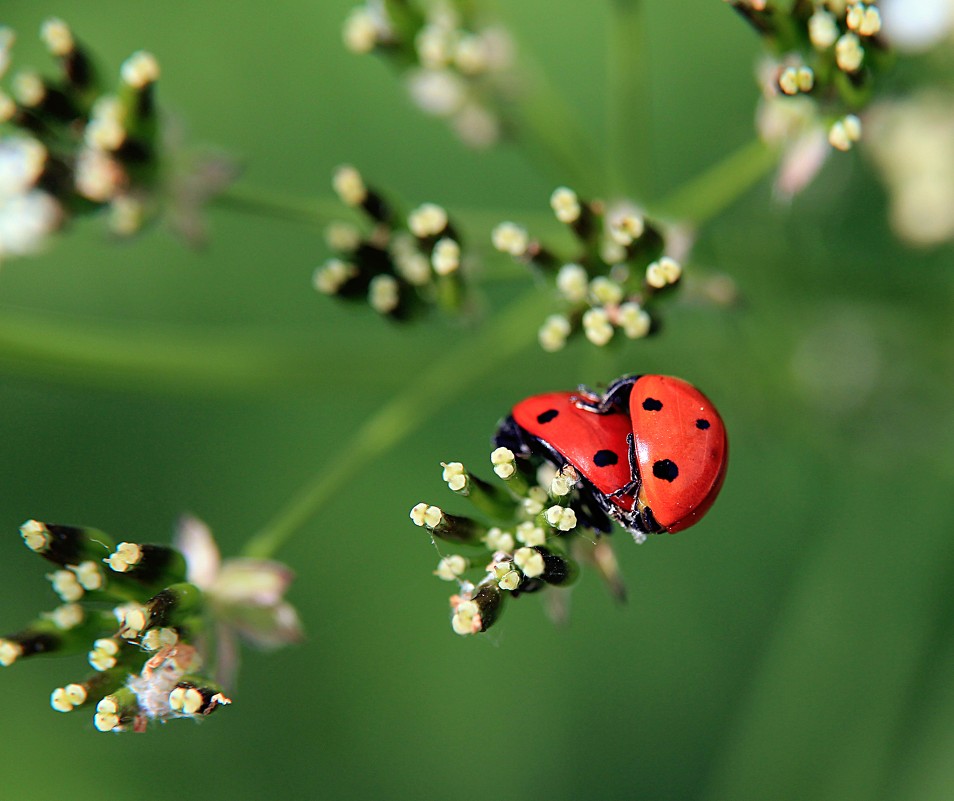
597	326
565	205
455	475
451	567
572	282
446	256
510	238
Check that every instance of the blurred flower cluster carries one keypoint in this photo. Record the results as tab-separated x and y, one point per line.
831	72
541	527
455	67
618	270
75	143
912	143
147	617
824	58
910	135
402	265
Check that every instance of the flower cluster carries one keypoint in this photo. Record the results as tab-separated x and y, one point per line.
145	615
912	143
541	528
402	266
824	57
454	67
610	282
75	146
826	51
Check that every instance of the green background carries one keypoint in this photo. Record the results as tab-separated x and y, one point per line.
798	644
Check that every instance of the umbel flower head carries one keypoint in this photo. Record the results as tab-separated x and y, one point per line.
532	529
454	66
146	617
824	59
402	265
613	280
76	142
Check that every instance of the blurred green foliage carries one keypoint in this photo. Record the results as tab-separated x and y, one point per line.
798	644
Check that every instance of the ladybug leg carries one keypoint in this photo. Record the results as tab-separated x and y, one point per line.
648	521
588	399
617	394
634	483
615	399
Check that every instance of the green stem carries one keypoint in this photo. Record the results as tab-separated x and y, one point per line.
557	146
710	193
629	110
546	126
434	387
312	211
143	356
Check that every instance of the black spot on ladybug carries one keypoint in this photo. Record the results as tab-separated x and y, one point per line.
605	458
665	469
547	416
702	424
652	405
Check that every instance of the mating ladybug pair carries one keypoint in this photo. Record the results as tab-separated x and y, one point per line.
651	451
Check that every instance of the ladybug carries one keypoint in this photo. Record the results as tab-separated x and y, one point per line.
651	451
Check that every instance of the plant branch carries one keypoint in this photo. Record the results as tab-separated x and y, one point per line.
629	108
258	202
713	191
444	379
150	357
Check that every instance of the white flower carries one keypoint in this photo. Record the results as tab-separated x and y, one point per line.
27	215
912	142
917	25
246	596
26	221
437	92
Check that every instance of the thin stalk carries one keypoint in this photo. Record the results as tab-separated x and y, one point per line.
711	192
258	202
557	146
444	379
546	126
149	357
629	109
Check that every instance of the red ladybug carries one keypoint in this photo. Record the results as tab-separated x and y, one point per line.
652	450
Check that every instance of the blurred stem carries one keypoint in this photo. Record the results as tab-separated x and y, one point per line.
430	390
137	355
711	192
629	108
313	211
545	125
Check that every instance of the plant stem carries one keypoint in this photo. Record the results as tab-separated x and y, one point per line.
405	412
545	125
149	357
312	211
711	192
629	109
